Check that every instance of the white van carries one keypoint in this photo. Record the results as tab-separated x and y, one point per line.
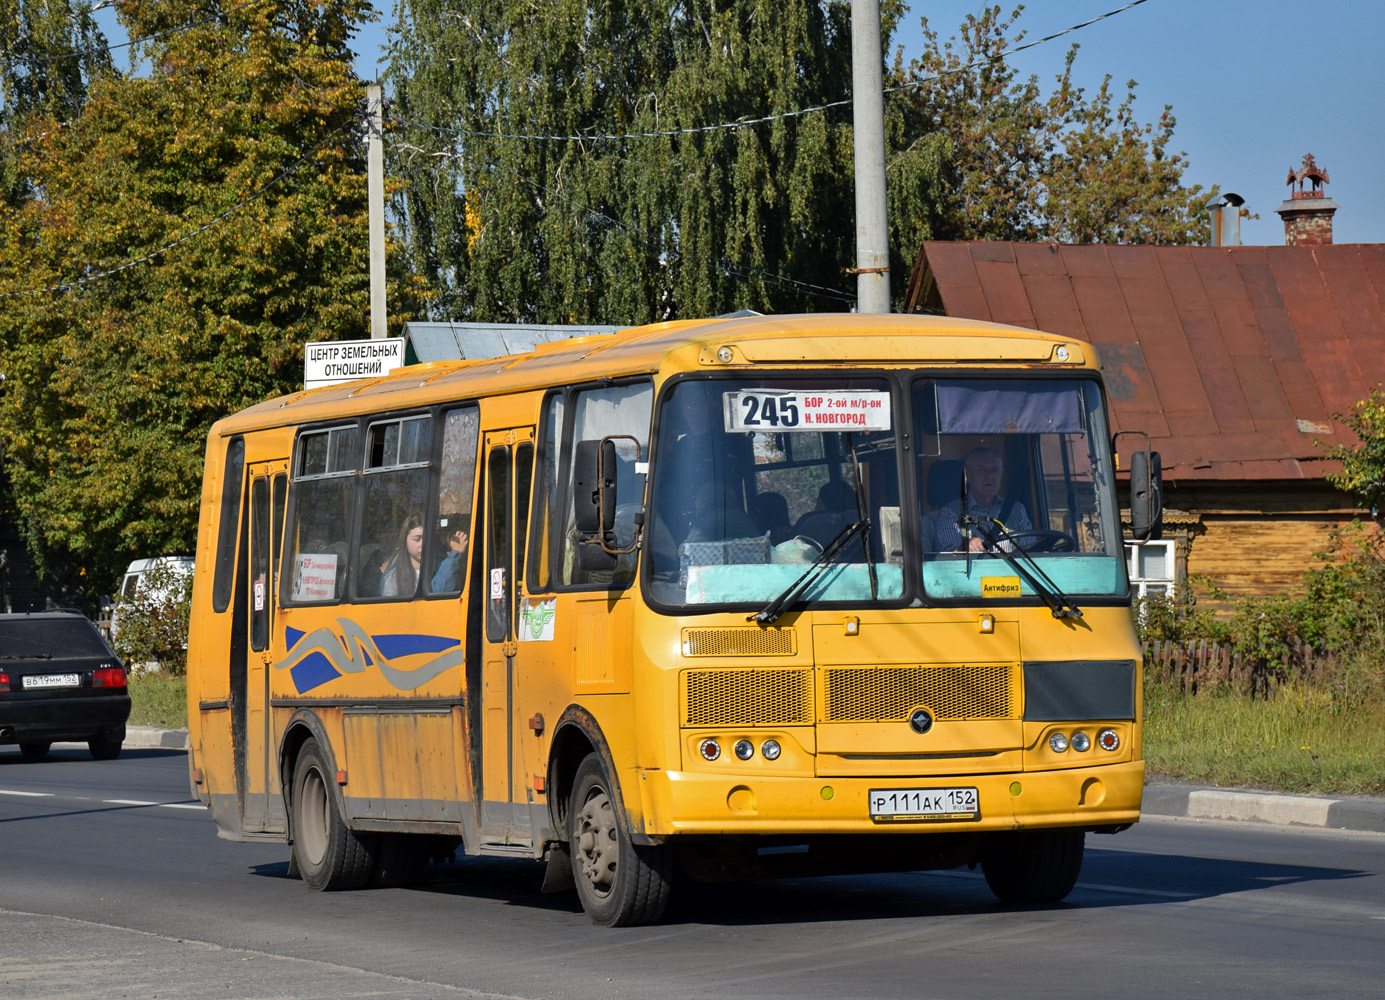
131	586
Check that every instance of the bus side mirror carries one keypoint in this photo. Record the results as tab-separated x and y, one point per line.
1146	495
594	486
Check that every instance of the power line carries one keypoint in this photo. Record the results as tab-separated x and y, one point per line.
728	266
77	282
747	122
147	38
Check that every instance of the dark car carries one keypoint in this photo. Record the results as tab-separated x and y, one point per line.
60	681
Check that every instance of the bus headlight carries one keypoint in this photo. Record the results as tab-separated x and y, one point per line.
745	749
770	750
1081	742
1058	743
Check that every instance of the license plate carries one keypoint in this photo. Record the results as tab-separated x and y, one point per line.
32	681
912	805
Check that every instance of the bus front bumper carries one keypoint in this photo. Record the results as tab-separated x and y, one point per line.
677	803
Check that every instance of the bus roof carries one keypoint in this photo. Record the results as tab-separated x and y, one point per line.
695	345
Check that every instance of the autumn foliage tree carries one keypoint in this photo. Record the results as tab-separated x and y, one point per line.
189	228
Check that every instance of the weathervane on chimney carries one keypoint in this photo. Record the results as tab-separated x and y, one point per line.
1307	214
1311	172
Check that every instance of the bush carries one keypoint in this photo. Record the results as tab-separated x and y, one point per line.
153	626
1341	611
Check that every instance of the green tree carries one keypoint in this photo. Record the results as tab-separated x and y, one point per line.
191	229
1363	464
509	225
997	159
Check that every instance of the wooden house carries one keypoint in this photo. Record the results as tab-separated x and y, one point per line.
1235	360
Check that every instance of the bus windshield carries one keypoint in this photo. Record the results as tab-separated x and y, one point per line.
754	478
1015	466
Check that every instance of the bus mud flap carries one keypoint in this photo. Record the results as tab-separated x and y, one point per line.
557	875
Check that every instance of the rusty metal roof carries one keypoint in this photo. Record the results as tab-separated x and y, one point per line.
1233	359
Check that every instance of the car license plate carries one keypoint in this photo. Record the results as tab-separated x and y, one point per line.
912	805
32	681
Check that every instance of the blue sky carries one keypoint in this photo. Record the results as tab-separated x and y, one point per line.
1254	84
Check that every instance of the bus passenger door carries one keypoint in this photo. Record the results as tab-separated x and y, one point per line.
262	804
509	473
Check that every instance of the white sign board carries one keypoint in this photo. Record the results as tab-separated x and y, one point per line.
315	577
333	361
776	411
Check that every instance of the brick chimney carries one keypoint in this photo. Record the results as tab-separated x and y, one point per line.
1307	214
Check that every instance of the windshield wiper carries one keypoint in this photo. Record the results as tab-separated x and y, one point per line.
861	514
1059	603
772	611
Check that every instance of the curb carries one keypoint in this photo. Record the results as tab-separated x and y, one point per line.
1245	806
147	737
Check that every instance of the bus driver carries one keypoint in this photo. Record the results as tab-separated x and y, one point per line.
984	470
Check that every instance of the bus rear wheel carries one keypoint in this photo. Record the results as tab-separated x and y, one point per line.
619	883
330	856
1035	866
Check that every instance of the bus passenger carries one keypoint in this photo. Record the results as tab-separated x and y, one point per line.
452	570
399	574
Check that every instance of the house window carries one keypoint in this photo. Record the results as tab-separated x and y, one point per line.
1152	567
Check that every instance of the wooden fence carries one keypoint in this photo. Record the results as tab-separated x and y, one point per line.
1199	664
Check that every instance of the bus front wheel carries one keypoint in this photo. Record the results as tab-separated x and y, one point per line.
1033	866
329	854
619	883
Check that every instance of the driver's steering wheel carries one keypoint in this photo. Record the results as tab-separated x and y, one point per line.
1045	540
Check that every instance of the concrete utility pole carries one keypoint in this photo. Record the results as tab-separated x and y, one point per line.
375	194
868	112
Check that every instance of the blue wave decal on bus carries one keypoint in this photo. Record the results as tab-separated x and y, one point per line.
317	657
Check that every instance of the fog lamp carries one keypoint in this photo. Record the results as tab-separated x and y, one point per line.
1058	743
711	749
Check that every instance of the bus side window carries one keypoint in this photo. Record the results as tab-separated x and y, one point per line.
547	498
232	475
321	497
392	540
452	513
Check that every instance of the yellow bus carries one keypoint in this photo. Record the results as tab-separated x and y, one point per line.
710	599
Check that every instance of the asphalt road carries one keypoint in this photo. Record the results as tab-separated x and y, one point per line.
111	886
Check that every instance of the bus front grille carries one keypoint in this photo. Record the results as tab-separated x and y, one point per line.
887	694
748	697
738	641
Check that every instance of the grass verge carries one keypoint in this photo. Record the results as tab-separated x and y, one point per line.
1298	740
159	700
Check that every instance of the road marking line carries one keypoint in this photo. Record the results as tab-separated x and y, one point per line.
128	802
27	795
182	805
1131	891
